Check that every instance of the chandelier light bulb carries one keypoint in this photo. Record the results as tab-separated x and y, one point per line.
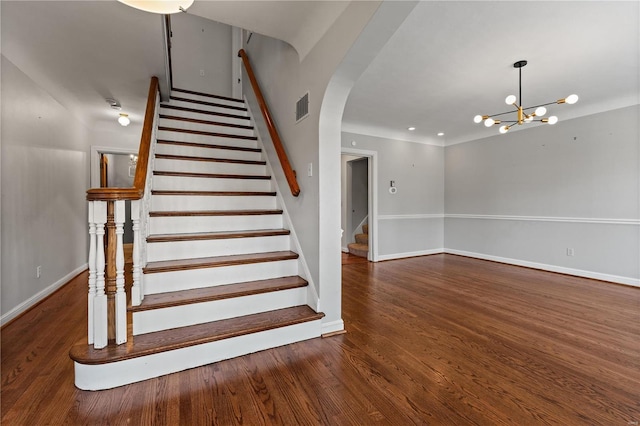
504	129
124	120
540	111
477	119
510	100
571	99
528	119
489	122
552	120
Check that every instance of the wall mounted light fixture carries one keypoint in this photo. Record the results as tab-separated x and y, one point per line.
523	116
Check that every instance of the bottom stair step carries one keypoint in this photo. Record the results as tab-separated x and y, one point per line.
156	354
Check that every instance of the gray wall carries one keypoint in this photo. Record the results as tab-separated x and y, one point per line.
410	222
201	44
530	195
45	173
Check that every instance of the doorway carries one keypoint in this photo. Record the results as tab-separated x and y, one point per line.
359	204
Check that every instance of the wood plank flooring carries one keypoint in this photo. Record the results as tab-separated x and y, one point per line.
435	340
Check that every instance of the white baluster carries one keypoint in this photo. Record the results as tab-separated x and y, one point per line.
136	289
119	217
100	338
92	273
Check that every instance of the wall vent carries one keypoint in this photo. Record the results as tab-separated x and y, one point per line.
302	107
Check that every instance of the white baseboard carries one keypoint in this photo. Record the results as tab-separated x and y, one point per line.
551	268
33	300
409	254
332	327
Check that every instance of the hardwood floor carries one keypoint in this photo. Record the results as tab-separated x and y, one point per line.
440	340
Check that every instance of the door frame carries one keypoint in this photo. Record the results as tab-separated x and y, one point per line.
96	152
372	157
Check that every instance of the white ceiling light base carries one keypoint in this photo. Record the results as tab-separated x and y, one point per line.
164	7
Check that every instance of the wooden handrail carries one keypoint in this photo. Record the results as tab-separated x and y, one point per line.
137	191
289	173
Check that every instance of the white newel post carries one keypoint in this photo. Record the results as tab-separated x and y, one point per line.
119	217
136	289
100	337
92	273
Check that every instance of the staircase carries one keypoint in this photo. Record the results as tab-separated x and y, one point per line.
221	279
361	246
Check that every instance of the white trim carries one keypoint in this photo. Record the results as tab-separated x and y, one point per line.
411	254
332	327
551	268
36	298
602	221
411	216
373	197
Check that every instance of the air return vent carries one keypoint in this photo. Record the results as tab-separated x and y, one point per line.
302	107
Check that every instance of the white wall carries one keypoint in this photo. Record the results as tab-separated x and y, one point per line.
44	157
201	44
410	222
530	195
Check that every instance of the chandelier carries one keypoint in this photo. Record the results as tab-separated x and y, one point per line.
524	114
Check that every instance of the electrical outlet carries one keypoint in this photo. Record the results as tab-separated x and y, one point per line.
38	271
310	170
201	73
570	251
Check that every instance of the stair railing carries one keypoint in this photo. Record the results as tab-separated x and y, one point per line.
289	173
107	301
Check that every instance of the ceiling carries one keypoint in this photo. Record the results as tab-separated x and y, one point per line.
452	60
449	61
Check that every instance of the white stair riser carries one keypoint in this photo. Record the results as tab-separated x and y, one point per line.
171	165
190	224
198	313
163	282
214	140
194	151
188	203
210	184
207	107
210	117
179	124
207	99
205	248
107	376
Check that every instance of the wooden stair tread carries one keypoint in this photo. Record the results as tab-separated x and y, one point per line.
199	295
180	213
209	159
209	175
202	111
202	132
214	193
208	122
211	104
357	246
217	261
192	92
167	340
164	238
207	145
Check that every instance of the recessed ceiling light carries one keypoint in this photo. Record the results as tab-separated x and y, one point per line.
441	134
411	128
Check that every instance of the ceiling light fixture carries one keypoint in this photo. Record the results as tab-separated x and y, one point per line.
164	7
114	103
411	128
124	119
441	134
523	116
